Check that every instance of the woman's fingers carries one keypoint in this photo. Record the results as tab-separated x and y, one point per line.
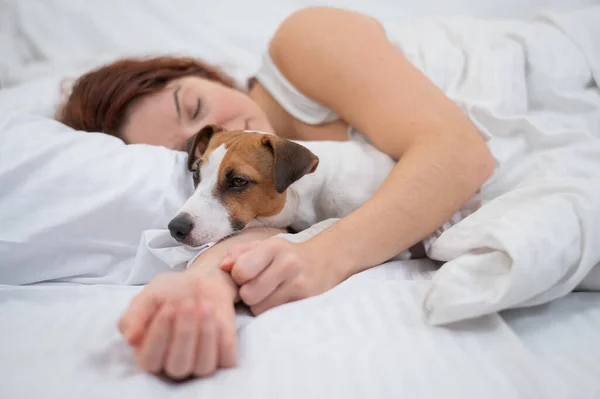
283	294
137	318
189	329
259	288
250	264
228	262
151	355
206	355
187	341
181	354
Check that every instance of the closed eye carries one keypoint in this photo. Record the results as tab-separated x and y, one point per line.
197	111
176	101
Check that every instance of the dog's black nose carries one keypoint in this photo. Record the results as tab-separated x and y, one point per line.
180	226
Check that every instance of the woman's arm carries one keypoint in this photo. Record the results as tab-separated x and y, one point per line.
344	61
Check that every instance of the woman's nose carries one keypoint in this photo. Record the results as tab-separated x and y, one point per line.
235	124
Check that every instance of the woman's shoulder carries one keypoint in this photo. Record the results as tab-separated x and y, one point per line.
314	34
295	50
296	103
347	62
318	48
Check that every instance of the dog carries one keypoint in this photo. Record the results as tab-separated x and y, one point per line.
247	178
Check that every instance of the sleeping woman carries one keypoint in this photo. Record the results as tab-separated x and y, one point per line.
329	74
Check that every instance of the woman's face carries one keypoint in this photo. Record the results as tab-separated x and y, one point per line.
169	118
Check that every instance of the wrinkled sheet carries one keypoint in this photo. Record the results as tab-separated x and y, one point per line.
365	338
531	88
58	37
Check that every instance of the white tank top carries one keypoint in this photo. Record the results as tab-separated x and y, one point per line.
293	101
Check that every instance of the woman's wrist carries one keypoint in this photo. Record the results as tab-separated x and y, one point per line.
324	250
207	265
218	277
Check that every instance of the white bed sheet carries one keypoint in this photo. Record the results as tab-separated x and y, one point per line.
365	338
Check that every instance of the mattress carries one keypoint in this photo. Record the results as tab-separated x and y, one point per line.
365	338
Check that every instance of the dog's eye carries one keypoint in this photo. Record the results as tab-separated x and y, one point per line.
238	182
196	176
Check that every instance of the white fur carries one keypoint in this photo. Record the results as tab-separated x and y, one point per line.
211	218
347	176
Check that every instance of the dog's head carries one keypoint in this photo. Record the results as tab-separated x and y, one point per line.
238	176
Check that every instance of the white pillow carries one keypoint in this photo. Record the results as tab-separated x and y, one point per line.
36	97
74	204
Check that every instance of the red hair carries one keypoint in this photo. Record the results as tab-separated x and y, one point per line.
99	99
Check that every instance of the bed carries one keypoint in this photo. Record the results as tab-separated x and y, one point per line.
368	337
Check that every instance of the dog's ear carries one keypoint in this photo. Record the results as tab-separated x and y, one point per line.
291	161
198	143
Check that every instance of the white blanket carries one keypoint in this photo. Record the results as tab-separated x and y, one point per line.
532	90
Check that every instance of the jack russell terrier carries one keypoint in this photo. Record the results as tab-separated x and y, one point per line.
248	179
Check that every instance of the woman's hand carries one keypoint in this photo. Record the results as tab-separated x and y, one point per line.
274	271
182	324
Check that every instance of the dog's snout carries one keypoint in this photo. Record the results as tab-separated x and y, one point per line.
180	226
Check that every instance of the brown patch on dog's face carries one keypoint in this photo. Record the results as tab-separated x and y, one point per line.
246	181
